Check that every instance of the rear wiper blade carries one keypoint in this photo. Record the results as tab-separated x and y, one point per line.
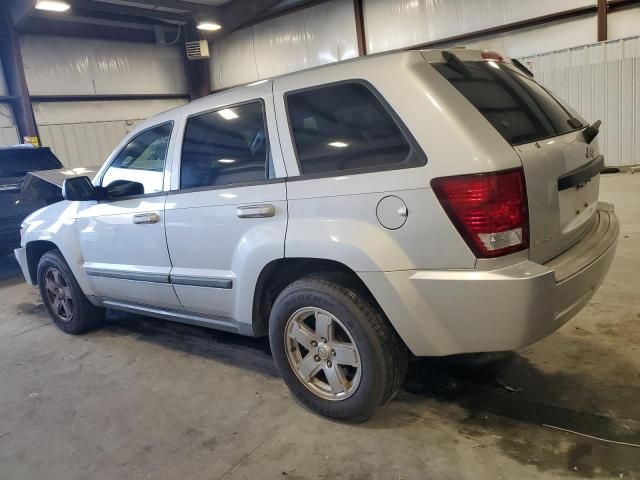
458	65
592	131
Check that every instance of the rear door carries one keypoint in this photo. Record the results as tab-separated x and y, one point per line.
226	214
561	169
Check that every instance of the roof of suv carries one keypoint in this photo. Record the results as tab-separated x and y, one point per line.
430	55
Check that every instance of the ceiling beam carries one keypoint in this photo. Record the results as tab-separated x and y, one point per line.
136	12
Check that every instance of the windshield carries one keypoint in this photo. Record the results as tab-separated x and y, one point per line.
515	104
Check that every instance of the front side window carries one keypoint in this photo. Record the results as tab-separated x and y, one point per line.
225	147
142	159
346	127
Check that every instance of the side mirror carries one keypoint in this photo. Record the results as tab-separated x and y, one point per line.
78	189
124	188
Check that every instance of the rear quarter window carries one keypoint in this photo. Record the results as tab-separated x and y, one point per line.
346	127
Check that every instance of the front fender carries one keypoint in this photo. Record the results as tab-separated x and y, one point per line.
56	224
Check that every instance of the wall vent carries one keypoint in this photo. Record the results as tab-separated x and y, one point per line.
197	50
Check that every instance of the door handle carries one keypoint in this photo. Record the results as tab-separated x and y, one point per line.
256	211
149	217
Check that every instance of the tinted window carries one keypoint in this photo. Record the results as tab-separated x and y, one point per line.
16	162
225	147
518	107
142	159
346	127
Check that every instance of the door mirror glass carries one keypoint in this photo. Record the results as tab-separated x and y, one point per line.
124	188
78	189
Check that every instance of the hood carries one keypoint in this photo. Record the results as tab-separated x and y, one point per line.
58	176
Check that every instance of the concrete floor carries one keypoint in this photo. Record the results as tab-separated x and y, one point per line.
143	398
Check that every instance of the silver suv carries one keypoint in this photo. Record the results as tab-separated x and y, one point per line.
432	202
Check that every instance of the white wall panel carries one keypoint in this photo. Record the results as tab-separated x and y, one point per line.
545	38
623	23
72	66
391	24
317	35
85	133
234	59
602	82
8	136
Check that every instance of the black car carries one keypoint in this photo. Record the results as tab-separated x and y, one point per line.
15	163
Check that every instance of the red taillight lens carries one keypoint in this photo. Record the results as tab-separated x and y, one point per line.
489	210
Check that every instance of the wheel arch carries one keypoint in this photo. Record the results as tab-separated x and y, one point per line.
35	250
279	273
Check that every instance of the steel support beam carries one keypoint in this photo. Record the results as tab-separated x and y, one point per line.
602	20
198	76
358	11
11	58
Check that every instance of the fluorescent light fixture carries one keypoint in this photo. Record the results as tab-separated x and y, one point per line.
338	144
208	26
226	160
52	5
228	114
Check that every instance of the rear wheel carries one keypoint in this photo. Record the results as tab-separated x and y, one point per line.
63	298
336	351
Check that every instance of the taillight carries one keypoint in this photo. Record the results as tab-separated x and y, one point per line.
489	210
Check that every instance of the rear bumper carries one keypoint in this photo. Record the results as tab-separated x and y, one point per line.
449	312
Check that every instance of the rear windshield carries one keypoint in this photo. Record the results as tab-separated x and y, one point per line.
16	162
517	106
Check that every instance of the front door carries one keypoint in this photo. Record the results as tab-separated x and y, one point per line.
123	238
226	214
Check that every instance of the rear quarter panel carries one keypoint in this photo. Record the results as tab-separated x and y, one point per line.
335	217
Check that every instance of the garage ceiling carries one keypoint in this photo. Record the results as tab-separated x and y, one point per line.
145	20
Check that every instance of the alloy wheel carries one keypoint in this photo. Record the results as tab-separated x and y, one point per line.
322	353
58	295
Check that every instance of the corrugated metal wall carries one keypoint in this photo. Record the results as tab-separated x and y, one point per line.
392	24
317	35
602	82
8	130
85	132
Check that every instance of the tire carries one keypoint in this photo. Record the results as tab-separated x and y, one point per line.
64	300
361	353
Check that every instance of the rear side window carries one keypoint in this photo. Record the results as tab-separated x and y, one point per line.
517	106
226	146
344	127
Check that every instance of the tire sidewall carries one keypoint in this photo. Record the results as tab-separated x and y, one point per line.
55	260
364	401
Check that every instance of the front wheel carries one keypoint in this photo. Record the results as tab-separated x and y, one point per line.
63	298
336	352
